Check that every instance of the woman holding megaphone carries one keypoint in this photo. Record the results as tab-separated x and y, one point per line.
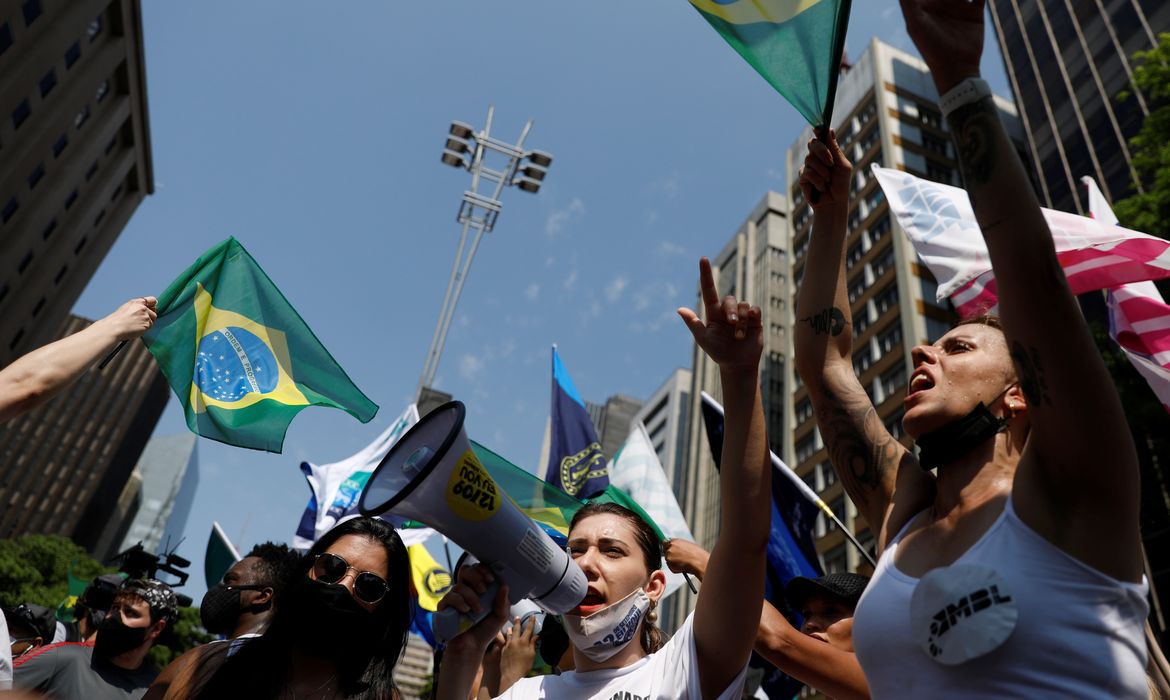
616	648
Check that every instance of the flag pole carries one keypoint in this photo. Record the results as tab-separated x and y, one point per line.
822	132
117	349
820	503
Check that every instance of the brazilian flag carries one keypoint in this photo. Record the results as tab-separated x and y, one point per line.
796	45
239	357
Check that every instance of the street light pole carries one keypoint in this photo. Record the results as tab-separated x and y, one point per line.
479	211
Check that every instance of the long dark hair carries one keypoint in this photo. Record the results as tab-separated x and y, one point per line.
261	667
646	538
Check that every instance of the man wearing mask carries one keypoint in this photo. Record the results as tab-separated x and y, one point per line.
241	606
29	627
113	666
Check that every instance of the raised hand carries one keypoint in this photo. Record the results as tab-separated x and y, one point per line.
827	171
683	557
132	319
733	335
949	35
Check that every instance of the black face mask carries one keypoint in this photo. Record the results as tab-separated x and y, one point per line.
220	609
950	442
115	638
329	621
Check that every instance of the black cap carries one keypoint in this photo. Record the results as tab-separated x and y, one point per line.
845	586
37	618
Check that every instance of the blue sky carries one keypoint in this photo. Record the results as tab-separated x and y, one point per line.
312	133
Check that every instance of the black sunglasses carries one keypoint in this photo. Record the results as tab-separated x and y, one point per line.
368	587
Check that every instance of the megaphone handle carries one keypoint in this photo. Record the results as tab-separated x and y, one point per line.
450	623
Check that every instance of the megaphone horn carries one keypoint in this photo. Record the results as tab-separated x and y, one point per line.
433	475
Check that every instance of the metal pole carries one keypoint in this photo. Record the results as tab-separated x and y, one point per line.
445	323
436	348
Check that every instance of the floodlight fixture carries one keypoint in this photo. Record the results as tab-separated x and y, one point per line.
540	158
534	172
527	185
458	145
461	130
453	159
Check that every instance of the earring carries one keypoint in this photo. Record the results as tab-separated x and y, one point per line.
652	615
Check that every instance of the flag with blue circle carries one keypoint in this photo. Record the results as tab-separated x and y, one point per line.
238	355
576	464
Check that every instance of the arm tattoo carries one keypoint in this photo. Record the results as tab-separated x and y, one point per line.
1031	373
862	451
975	126
829	320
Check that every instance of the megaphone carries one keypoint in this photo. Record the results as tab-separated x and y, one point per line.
432	475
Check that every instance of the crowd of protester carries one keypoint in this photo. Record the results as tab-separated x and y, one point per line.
1009	548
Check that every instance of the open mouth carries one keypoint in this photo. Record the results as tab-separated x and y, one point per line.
919	382
591	603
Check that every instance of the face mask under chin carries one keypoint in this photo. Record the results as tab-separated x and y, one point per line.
952	441
606	632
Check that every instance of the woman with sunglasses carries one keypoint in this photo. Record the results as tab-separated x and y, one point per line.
338	629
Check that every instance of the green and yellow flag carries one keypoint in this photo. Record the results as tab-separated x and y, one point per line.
795	44
240	358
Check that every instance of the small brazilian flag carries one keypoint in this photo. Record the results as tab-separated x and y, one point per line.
240	358
796	45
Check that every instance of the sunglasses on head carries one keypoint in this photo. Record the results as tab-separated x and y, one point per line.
368	587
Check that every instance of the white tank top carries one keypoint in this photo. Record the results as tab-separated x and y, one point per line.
1078	633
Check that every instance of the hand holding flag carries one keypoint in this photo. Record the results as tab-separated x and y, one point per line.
825	176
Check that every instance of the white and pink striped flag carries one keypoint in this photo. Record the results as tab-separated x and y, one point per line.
1096	254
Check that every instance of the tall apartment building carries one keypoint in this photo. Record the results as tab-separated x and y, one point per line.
1067	62
74	154
886	114
64	466
612	421
665	416
754	265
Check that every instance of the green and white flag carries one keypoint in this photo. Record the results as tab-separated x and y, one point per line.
221	555
796	45
239	357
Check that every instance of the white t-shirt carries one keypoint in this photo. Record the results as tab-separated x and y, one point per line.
5	656
671	673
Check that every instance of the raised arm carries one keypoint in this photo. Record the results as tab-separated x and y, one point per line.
734	588
833	671
1077	483
36	377
870	463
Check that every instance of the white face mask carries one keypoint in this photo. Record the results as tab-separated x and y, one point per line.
607	631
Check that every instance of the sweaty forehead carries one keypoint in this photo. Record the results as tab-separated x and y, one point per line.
243	571
602	526
981	333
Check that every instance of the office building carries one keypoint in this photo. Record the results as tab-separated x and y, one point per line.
413	672
169	474
612	421
753	265
1067	64
665	416
64	466
75	156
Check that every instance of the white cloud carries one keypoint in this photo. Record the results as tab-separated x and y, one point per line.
613	290
532	292
670	248
652	216
470	366
571	279
560	218
667	185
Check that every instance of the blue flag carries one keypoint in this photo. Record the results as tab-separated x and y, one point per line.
576	464
791	551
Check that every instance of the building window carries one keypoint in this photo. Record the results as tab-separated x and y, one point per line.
854	219
930	116
80	244
894	424
3	291
69	201
25	262
20	114
81	118
939	173
102	91
835	560
879	229
91	172
59	147
860	322
48	82
805	448
35	176
887	298
117	193
5	37
97	220
37	309
874	199
94	28
49	229
804	411
862	360
853	255
883	263
60	274
32	10
934	143
890	338
894	380
9	210
72	54
856	288
16	339
110	146
811	479
828	475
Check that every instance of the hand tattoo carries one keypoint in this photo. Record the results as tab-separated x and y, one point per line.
975	127
829	320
